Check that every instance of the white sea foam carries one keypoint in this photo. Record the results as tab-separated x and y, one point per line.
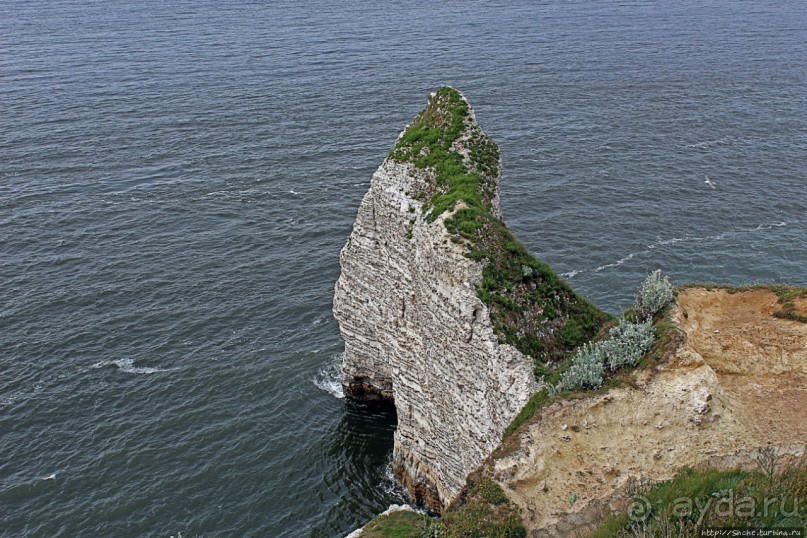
616	263
709	143
769	226
321	319
9	399
51	476
391	486
674	240
329	377
127	366
668	241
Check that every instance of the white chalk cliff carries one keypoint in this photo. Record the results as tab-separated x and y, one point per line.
409	311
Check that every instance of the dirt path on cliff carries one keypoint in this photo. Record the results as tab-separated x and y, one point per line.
737	383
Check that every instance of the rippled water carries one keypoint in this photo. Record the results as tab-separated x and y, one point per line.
176	181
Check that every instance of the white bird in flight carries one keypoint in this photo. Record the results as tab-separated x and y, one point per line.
710	182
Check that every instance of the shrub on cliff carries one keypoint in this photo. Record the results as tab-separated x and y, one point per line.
586	371
627	344
656	293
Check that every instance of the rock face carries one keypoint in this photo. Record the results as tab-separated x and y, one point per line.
736	382
415	331
408	301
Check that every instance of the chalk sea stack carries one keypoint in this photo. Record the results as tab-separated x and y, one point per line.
441	309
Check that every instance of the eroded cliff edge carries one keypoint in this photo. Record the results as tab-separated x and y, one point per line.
441	309
731	381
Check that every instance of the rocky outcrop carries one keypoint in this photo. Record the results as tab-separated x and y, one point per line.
735	383
423	323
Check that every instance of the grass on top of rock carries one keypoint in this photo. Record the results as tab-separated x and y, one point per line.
787	299
530	307
431	142
708	498
482	510
400	524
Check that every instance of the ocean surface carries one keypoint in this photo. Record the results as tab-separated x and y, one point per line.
177	179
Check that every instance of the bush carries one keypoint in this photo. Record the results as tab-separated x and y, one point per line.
656	293
586	371
627	344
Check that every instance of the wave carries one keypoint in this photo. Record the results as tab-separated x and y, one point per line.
710	143
394	490
329	377
616	263
769	226
127	366
672	241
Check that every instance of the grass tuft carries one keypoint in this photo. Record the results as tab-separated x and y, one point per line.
483	510
708	498
401	524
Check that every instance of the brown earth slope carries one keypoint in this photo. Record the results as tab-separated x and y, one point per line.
760	360
737	383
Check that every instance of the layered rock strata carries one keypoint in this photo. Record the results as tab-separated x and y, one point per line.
409	309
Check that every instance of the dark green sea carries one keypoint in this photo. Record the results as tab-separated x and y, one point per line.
177	179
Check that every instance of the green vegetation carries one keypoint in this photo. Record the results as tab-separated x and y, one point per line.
478	519
530	307
483	510
787	298
586	371
401	524
627	343
430	142
696	499
668	337
656	293
492	492
536	402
